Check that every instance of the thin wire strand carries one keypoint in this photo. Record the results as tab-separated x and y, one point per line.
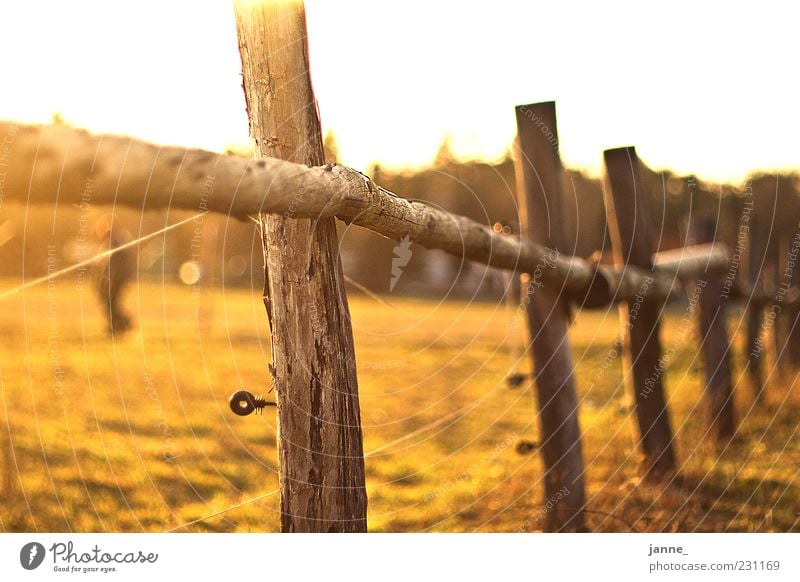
416	432
369	293
95	258
422	429
218	513
103	255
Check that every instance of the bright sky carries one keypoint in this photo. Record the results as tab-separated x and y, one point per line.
699	87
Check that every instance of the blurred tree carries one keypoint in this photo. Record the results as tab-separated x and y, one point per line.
58	119
444	155
331	147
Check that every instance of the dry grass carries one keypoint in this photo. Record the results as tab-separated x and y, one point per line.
135	434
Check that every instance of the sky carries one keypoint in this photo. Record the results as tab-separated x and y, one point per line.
698	87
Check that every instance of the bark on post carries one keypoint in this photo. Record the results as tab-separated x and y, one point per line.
716	361
540	193
715	344
49	163
320	443
629	225
754	347
779	290
789	285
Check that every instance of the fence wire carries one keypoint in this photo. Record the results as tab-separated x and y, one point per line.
94	259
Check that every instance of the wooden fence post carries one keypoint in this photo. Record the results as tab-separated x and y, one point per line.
320	443
756	255
628	212
540	194
778	330
789	245
714	344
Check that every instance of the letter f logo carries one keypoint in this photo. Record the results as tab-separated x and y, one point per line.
31	555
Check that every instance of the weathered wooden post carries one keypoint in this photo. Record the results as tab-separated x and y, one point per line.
789	286
777	305
628	212
320	444
756	255
714	343
540	193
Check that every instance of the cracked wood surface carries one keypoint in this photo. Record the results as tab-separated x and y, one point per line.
46	164
320	443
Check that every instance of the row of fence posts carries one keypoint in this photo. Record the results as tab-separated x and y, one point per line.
541	202
320	438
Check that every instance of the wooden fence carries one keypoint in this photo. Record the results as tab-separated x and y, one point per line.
296	200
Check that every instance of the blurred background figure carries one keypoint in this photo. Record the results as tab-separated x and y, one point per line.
113	275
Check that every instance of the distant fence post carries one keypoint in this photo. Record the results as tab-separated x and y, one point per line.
628	211
778	319
754	343
540	193
320	440
714	343
789	273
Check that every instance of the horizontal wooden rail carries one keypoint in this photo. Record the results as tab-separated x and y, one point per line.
58	164
699	261
692	262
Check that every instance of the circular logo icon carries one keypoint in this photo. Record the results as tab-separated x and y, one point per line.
31	555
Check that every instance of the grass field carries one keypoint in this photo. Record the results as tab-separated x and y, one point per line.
136	435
